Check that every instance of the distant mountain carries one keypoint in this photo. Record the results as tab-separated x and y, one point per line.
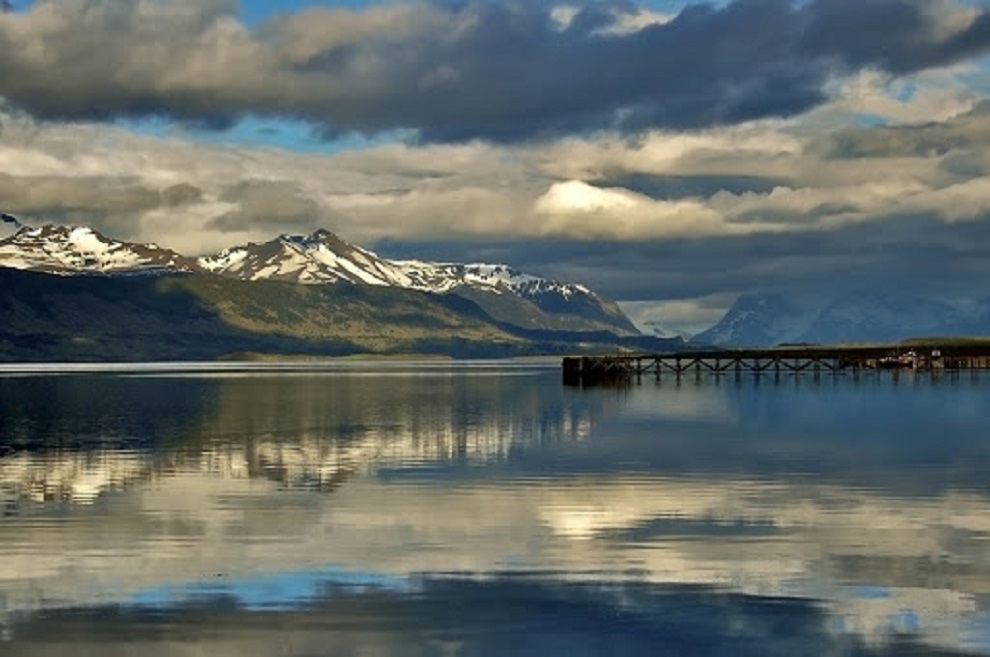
67	250
320	258
877	317
506	294
82	296
758	319
770	319
661	330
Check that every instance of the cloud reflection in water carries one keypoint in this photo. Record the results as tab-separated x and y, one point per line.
778	515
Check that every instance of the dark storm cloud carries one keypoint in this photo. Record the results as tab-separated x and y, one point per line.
896	35
495	70
916	253
677	187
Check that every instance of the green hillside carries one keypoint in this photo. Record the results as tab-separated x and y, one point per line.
205	317
527	314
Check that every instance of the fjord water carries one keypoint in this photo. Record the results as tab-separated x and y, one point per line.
484	509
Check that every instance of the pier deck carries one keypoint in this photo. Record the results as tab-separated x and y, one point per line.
598	370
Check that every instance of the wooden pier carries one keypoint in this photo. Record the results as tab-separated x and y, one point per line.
625	368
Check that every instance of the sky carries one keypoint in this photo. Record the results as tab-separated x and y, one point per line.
669	154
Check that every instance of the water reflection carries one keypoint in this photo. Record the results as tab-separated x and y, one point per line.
797	516
71	438
505	615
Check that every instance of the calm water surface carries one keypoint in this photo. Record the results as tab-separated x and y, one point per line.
483	509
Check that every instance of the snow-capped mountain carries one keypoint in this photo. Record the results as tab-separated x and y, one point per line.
325	258
67	250
505	294
770	319
319	258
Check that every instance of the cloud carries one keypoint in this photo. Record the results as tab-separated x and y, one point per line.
181	194
112	204
277	206
663	215
501	71
928	139
262	442
935	95
576	208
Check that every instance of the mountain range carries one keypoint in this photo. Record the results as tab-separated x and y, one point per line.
766	319
70	292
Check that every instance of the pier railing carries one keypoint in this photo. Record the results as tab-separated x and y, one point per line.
619	368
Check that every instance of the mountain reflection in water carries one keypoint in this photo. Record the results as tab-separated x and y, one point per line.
484	509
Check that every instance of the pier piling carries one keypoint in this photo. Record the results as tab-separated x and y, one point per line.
620	369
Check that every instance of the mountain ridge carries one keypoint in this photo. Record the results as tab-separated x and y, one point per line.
68	293
323	257
767	319
508	295
65	250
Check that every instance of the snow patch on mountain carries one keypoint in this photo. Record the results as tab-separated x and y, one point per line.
67	250
324	258
443	277
319	258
